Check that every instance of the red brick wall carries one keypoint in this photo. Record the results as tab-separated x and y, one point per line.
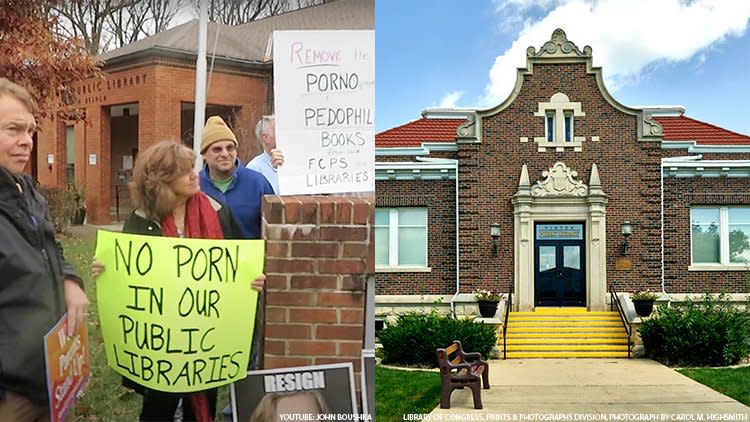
320	250
679	195
439	198
489	174
159	90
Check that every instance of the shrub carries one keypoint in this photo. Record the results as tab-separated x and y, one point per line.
62	206
415	337
708	332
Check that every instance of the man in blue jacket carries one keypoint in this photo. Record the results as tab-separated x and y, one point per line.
224	178
37	285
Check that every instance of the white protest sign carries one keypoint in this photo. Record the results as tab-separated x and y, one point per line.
324	91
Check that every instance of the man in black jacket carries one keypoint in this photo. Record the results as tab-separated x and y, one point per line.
37	285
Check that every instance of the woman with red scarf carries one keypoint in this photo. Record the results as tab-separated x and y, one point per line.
168	201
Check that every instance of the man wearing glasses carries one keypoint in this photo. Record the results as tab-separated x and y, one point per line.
270	158
224	178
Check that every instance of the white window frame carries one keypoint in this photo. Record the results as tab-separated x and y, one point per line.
724	264
393	227
557	109
568	114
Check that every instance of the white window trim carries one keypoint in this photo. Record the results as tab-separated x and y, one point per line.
393	226
559	106
723	264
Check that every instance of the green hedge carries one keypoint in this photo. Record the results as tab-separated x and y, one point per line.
708	332
415	337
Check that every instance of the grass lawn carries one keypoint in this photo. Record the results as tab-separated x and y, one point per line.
733	382
401	392
104	399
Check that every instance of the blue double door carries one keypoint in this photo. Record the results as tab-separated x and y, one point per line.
559	261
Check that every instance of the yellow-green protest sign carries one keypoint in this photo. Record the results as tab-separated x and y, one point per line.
177	315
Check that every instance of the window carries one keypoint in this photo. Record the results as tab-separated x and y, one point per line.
550	120
401	238
567	126
558	117
70	154
720	235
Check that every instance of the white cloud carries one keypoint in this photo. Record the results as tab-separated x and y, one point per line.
449	100
627	37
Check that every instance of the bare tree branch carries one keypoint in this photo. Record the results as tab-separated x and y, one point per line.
87	19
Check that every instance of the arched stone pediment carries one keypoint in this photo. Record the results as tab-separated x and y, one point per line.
559	180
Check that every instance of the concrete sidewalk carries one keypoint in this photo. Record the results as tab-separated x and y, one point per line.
88	231
617	389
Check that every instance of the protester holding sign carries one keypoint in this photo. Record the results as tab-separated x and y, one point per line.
168	201
224	178
38	285
269	160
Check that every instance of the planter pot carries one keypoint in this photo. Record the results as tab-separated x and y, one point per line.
643	307
79	216
487	309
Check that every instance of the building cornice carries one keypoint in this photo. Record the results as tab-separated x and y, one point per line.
425	149
706	168
693	147
178	58
432	170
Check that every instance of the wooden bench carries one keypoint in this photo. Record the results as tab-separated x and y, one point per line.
459	369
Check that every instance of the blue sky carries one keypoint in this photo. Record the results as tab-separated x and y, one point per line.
694	53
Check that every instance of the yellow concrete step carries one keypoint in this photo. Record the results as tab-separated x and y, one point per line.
565	335
550	355
581	329
562	311
544	320
566	340
544	317
568	347
559	323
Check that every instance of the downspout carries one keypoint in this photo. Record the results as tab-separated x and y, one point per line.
458	282
661	217
661	204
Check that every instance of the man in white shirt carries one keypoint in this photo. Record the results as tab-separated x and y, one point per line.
268	161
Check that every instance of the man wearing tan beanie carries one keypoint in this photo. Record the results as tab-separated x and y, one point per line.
226	179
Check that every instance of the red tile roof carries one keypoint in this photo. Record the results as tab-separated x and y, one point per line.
683	128
414	133
676	128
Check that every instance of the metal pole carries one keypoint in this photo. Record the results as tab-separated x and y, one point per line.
200	82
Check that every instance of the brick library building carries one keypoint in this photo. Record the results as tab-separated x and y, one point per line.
559	195
148	96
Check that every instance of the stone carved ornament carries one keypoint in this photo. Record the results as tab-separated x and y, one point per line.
559	180
559	46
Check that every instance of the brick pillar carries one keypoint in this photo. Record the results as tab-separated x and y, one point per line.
98	176
319	253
